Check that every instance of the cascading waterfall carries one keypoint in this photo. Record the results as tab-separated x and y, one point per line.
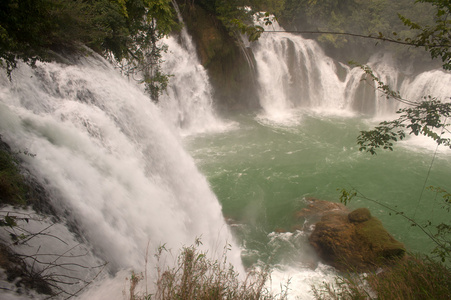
112	166
188	100
435	83
294	72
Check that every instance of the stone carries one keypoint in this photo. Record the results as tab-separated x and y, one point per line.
359	215
315	209
354	241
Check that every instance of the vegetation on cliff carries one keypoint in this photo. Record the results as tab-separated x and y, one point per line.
12	186
223	54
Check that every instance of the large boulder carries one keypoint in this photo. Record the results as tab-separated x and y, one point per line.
353	240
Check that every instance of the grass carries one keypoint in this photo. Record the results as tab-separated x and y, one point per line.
197	277
417	277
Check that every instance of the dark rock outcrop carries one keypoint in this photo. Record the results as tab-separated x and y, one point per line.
228	62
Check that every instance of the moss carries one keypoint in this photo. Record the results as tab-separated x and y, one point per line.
354	241
12	186
224	58
359	215
382	243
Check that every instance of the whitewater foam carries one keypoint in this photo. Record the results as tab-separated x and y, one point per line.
111	165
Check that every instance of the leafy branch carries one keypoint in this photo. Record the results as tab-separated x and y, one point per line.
441	238
428	117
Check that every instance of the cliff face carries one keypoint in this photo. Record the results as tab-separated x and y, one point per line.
224	57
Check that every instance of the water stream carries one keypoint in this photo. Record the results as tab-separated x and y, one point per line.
112	165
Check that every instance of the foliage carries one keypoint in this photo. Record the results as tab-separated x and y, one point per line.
340	25
237	16
346	196
196	276
142	54
12	186
32	29
443	230
436	38
413	278
127	31
52	274
38	271
429	117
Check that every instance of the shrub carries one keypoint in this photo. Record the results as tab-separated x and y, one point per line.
197	277
413	278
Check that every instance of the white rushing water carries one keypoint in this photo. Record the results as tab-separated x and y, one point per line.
188	101
294	73
111	164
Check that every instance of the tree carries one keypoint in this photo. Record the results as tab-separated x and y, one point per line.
126	31
429	116
148	22
332	21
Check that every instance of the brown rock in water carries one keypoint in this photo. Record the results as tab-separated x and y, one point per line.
318	207
359	215
315	209
354	241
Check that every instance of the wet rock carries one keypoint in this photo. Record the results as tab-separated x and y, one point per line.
359	215
354	241
315	209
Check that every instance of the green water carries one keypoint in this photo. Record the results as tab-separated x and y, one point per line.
262	173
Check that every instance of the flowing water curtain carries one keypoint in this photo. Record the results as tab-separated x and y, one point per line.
188	98
113	167
294	72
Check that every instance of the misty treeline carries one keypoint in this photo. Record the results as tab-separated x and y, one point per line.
361	17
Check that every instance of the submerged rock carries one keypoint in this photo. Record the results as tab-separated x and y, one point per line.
352	240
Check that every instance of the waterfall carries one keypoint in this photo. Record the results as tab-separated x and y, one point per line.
294	73
111	165
188	101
